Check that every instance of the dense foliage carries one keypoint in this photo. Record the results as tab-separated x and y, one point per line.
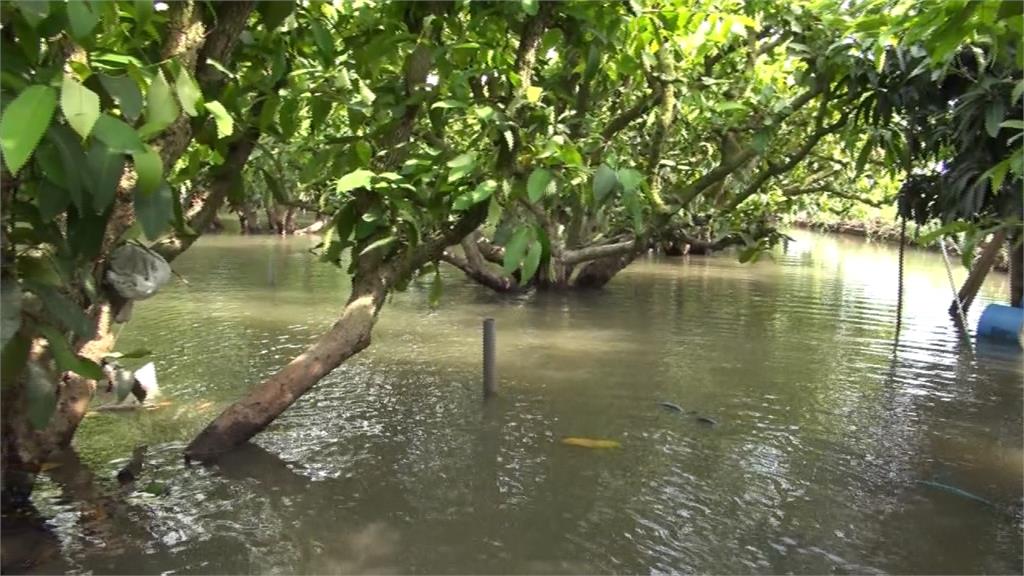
528	143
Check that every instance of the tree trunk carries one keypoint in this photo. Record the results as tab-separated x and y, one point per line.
247	417
979	270
289	221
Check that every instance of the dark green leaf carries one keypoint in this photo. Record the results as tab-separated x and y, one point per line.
40	396
81	106
993	117
150	170
515	250
630	179
531	262
319	110
865	153
482	192
538	183
81	18
63	311
106	168
605	181
274	12
34	11
131	354
72	158
117	135
126	93
12	359
530	6
51	200
155	211
85	234
323	40
23	124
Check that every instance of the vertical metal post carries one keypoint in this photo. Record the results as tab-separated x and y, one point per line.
490	369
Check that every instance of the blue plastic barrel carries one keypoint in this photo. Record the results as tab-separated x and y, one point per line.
999	322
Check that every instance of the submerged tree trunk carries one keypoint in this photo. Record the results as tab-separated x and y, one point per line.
247	417
979	270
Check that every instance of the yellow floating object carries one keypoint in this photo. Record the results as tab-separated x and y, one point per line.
590	442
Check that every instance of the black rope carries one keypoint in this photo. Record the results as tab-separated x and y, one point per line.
899	289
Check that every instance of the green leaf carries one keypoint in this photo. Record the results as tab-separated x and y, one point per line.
34	11
51	200
538	183
23	124
993	117
865	153
461	165
126	93
1018	90
62	310
378	244
225	125
155	211
951	228
10	309
117	135
80	105
324	42
355	179
105	168
605	181
274	12
72	158
364	152
188	92
66	359
268	112
531	262
436	288
1018	124
515	250
630	179
448	104
533	94
318	112
150	170
161	109
482	192
13	358
530	6
40	396
81	18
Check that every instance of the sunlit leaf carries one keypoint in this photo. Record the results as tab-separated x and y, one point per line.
23	124
81	106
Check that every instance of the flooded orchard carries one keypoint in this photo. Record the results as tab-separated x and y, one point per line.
821	449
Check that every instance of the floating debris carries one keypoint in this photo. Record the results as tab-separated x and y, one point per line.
954	490
590	442
707	420
671	406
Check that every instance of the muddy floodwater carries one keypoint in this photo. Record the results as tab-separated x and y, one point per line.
833	452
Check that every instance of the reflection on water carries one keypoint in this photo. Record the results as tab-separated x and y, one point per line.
392	464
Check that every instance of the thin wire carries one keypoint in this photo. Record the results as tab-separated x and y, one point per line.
952	285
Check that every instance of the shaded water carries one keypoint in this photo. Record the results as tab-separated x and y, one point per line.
392	464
